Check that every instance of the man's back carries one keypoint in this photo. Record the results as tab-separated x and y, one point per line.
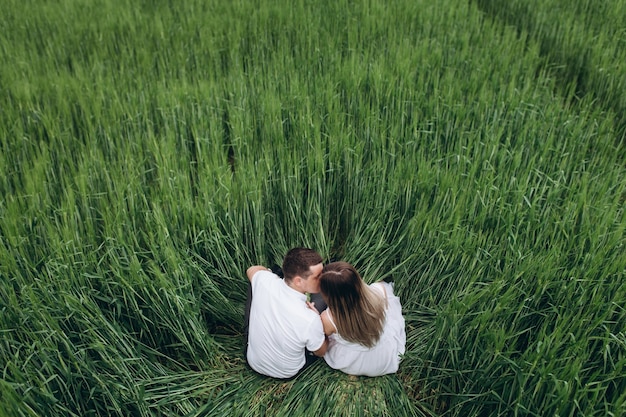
281	327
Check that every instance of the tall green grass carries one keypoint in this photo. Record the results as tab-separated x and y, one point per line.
581	44
151	151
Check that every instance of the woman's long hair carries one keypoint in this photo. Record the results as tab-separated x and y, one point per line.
358	312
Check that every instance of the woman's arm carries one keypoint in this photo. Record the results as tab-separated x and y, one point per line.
329	327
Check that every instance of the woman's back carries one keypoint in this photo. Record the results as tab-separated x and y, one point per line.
384	356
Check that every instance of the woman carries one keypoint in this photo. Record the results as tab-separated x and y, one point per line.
364	323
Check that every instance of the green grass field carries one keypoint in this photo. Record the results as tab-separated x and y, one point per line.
150	151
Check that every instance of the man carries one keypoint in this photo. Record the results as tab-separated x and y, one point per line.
281	327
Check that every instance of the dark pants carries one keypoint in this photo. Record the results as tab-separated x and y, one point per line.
310	358
246	321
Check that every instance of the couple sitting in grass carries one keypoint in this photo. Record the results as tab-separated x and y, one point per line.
357	328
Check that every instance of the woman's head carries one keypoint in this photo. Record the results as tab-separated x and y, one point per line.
341	284
358	312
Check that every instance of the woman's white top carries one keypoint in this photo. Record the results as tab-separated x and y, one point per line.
383	358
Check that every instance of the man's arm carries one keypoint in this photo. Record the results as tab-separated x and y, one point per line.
322	351
253	270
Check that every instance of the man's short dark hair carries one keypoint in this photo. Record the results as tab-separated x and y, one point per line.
298	262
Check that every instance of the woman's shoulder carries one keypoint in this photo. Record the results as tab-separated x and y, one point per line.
380	288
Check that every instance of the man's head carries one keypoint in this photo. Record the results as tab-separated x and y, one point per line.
302	268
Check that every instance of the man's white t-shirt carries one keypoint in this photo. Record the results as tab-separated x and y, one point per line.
281	326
